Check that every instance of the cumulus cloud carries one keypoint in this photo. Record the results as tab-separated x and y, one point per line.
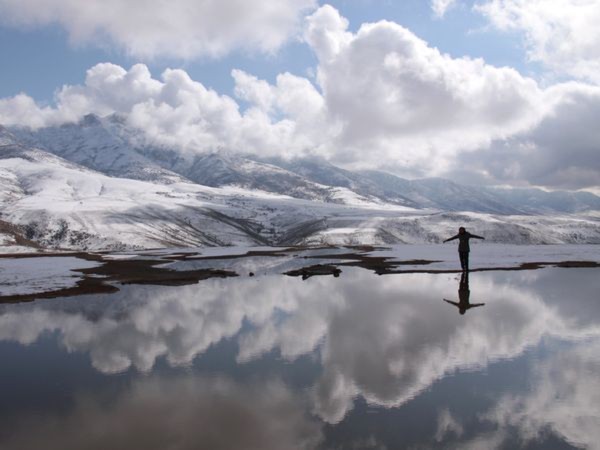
383	98
401	100
562	34
178	28
181	113
561	151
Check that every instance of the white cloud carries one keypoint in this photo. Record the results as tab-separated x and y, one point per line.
561	151
326	32
440	7
177	28
182	113
383	98
407	102
562	34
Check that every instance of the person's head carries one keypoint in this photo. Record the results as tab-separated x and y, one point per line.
461	230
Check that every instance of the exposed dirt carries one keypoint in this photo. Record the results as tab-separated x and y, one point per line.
106	277
17	235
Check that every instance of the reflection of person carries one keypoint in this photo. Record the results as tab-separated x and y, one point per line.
463	237
463	295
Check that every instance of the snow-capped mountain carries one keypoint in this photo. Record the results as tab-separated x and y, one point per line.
93	144
109	146
438	193
96	185
219	169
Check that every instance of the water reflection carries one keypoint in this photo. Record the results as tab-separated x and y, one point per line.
384	340
564	402
178	413
464	294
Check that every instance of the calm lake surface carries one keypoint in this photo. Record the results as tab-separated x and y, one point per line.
275	362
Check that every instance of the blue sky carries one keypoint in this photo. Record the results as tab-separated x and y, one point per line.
502	92
38	60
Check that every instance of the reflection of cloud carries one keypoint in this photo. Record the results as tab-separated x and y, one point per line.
181	413
142	324
565	399
383	338
447	424
390	346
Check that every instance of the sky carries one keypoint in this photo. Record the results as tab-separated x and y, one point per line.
500	92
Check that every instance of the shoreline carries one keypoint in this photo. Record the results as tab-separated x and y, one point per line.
151	267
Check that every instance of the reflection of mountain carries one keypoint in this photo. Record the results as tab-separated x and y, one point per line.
385	341
182	413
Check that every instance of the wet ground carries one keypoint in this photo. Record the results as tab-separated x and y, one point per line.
228	352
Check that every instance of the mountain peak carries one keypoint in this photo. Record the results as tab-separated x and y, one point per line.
90	120
6	137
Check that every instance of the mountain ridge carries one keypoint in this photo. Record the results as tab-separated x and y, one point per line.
111	147
89	186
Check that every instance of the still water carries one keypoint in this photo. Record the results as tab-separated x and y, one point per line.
502	360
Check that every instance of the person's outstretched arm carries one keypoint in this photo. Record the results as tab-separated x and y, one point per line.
452	238
476	237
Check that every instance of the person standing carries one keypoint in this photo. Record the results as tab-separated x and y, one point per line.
463	237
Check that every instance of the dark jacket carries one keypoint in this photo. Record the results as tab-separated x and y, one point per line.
463	240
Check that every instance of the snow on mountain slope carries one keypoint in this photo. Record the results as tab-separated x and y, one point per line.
226	169
58	204
143	197
61	205
321	171
433	228
539	201
110	146
449	196
6	138
92	143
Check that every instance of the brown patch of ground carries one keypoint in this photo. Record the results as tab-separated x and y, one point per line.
102	279
84	286
17	235
144	271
